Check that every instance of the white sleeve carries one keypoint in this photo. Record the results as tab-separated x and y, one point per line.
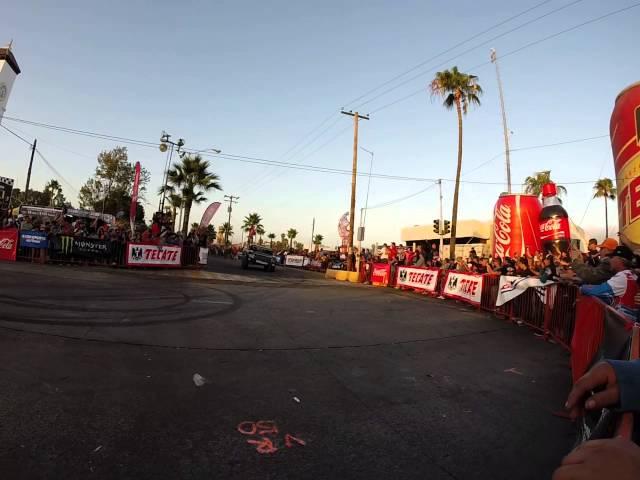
618	284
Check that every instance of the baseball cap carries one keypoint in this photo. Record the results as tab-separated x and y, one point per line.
609	244
623	251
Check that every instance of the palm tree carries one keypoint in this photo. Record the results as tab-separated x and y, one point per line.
260	232
252	221
533	185
227	230
458	90
176	202
194	179
271	237
317	240
291	234
604	189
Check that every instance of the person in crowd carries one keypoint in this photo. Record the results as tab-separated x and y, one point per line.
536	267
418	257
384	253
593	275
26	224
79	229
483	267
393	252
472	253
435	254
410	254
549	271
592	257
522	268
402	255
620	290
461	265
612	383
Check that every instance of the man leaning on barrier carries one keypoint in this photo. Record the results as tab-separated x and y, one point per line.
617	385
593	274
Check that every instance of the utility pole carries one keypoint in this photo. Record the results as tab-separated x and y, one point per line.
352	211
441	229
231	199
167	144
494	59
26	190
313	230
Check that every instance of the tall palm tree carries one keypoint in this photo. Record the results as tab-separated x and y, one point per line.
251	221
176	202
317	240
604	189
194	179
227	230
260	232
533	185
458	90
291	234
271	237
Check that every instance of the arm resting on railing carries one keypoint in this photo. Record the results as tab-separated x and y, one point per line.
628	377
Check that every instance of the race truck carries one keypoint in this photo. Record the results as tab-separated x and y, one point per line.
258	255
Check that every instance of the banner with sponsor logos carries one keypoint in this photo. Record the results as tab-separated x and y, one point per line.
33	239
90	247
380	274
8	244
296	261
510	287
463	286
424	279
6	187
144	255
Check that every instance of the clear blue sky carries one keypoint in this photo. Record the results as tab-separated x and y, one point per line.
254	77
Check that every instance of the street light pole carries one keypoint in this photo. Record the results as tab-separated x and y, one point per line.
363	216
494	59
441	229
164	140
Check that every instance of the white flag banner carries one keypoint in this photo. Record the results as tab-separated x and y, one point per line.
510	287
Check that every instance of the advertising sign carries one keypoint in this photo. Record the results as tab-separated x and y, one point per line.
515	224
203	256
6	187
33	239
380	274
296	261
464	286
143	255
425	279
8	244
89	247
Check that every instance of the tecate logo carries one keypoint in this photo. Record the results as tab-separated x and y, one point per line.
6	244
502	230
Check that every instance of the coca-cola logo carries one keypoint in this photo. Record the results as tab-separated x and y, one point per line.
551	225
6	244
502	230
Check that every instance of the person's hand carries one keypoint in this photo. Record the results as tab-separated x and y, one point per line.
582	397
615	458
567	274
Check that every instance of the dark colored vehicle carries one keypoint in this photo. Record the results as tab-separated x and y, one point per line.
258	255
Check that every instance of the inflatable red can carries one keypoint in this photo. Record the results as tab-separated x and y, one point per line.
625	143
515	225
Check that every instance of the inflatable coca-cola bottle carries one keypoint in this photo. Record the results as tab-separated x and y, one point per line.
555	235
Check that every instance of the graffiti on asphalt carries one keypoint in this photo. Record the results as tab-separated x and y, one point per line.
264	444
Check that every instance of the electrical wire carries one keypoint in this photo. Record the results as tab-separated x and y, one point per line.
16	135
469	50
401	199
512	52
56	173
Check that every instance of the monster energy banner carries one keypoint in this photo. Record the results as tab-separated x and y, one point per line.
62	244
90	247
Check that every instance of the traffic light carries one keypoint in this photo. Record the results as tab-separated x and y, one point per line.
447	227
436	227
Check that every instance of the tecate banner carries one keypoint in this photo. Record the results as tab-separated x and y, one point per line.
33	239
295	261
425	279
141	255
463	286
8	244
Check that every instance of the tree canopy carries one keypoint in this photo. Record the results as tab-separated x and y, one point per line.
533	184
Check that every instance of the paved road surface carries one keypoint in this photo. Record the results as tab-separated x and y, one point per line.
97	368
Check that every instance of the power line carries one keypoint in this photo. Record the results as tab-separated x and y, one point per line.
467	40
512	52
16	135
402	199
469	50
56	173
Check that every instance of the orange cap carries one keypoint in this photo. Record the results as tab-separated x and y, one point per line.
609	244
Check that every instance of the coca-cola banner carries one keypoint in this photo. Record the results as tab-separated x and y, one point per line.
143	255
424	279
463	286
8	244
380	274
510	287
515	225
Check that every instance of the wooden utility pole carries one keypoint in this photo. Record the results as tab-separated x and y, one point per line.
231	199
26	190
494	59
354	173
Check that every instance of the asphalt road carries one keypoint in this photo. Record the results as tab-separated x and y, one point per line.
301	378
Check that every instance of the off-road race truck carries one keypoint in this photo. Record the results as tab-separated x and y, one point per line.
258	255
